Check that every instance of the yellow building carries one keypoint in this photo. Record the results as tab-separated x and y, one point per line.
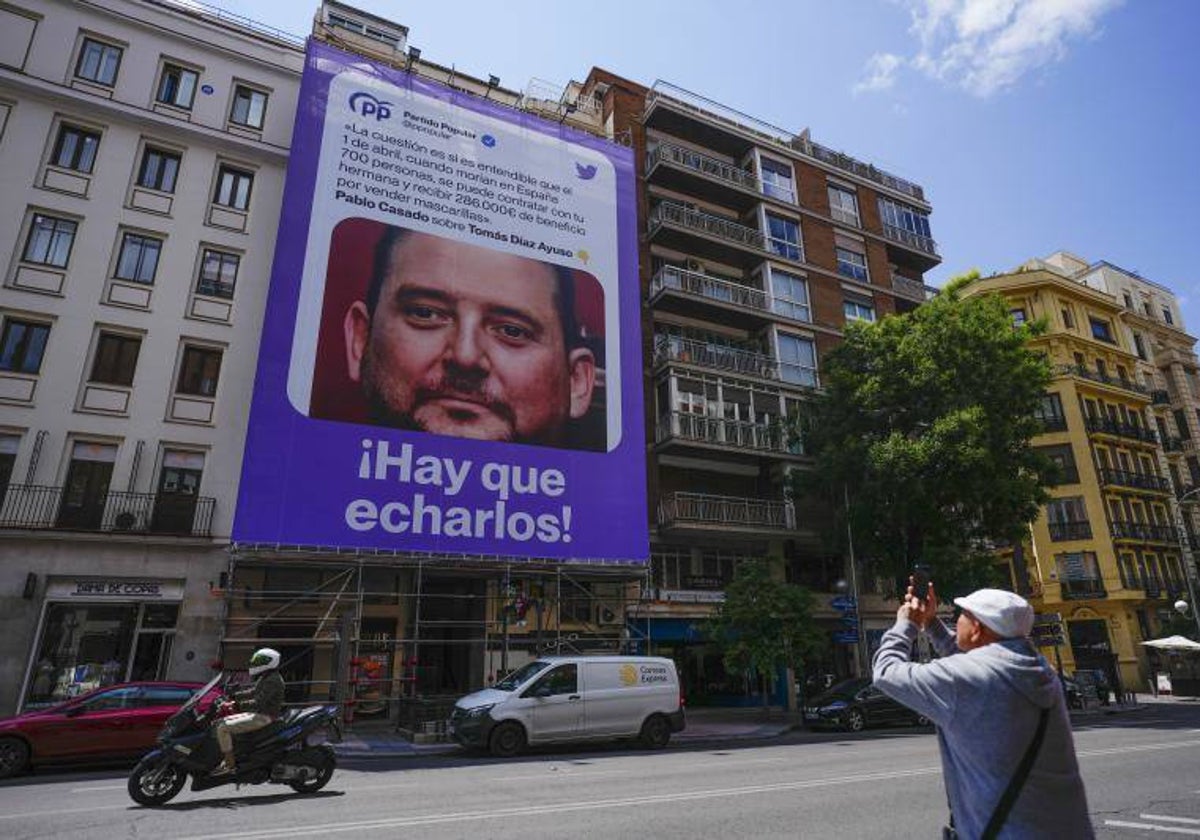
1105	552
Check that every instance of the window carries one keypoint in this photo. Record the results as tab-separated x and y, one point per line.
852	264
50	241
233	188
1050	412
1167	315
8	458
843	205
797	360
358	28
1018	317
1064	458
1101	331
218	273
790	295
98	62
1139	345
178	491
908	222
249	107
1181	424
777	180
158	170
139	258
1128	300
177	86
783	236
199	371
856	310
562	680
116	359
1068	318
76	148
22	345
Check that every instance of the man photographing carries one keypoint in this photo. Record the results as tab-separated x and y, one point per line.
460	340
1008	756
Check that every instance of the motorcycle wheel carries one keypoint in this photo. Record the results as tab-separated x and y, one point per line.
155	782
324	764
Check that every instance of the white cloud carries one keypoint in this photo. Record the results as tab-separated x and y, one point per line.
880	72
986	46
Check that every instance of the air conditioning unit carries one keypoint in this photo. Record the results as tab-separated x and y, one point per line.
608	614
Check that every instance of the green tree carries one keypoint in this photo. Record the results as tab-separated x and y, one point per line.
923	428
765	624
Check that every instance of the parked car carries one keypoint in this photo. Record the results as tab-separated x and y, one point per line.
116	722
582	698
855	704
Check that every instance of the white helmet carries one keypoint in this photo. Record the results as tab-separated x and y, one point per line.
263	660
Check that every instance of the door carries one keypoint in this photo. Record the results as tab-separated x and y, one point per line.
178	489
85	492
557	704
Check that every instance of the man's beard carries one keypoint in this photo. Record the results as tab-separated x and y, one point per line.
453	383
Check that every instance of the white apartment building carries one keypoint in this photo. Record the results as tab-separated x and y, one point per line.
143	146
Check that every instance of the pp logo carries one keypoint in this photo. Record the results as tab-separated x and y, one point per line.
368	106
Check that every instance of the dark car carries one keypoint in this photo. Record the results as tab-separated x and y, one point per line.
855	704
116	722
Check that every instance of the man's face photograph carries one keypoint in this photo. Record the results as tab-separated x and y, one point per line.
461	340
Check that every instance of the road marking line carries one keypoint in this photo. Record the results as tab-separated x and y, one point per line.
100	787
122	806
1164	818
554	808
1135	748
1169	829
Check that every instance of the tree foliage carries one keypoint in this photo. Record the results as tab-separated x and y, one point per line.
924	426
765	624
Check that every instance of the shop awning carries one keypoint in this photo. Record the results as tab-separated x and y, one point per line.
669	629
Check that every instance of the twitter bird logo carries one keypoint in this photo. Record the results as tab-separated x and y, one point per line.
586	173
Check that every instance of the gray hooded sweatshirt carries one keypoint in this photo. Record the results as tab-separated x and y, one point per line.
986	704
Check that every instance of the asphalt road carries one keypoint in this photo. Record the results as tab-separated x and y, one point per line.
1142	773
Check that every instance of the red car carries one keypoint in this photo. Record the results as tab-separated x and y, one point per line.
119	721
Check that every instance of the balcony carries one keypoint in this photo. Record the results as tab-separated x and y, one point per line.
909	239
1106	426
699	510
690	351
706	236
36	507
1144	533
1095	376
693	293
691	172
1139	481
1077	589
688	429
911	289
1172	444
1071	530
1053	423
685	114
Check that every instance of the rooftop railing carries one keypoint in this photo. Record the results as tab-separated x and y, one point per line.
689	159
706	286
732	511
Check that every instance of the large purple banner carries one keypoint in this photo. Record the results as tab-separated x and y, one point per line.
451	357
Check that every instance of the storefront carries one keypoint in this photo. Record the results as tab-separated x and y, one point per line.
96	631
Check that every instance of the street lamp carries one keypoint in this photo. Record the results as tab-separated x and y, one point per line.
1189	568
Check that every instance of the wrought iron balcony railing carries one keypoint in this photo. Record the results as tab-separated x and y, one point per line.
1159	397
711	288
1053	423
671	348
1144	532
1096	376
689	159
1075	530
1082	588
38	507
727	511
912	240
739	434
670	213
1172	444
1106	426
1141	481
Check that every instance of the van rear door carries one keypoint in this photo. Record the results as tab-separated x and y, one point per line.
557	704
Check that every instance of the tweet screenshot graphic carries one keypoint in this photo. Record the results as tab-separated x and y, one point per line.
451	351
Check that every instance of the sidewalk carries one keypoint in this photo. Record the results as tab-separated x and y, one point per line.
718	725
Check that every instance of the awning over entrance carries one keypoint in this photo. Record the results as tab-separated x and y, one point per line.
669	629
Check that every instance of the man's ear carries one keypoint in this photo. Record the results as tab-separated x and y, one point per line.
356	327
582	365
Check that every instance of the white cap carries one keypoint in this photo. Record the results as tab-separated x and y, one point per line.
1007	614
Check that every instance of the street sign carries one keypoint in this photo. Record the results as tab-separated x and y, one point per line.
843	603
846	637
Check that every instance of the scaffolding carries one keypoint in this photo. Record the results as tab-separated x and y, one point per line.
398	636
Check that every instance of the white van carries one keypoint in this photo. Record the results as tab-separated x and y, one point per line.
573	698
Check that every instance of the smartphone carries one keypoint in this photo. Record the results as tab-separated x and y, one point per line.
920	581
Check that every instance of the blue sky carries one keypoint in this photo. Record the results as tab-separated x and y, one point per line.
1034	125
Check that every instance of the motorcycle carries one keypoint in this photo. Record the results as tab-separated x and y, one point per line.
292	750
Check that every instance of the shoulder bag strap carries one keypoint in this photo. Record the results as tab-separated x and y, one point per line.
1018	781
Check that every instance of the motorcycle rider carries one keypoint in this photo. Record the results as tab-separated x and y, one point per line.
256	706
